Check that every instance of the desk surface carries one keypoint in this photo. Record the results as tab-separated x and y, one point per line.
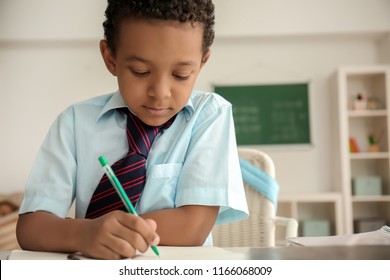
368	252
371	252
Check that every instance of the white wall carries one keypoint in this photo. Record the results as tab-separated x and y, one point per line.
51	19
384	48
49	58
284	17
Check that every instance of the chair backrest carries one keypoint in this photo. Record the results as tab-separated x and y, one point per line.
9	214
259	229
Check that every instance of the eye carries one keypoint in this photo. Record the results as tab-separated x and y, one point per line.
181	77
139	73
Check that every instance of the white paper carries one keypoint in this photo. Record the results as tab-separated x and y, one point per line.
166	253
377	237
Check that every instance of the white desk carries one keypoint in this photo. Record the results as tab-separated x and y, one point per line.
367	252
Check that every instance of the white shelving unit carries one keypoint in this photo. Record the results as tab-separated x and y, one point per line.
318	206
358	123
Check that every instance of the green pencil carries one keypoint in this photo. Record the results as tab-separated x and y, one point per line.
121	192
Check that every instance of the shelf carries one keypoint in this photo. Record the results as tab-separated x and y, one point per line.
326	206
378	155
315	197
371	81
367	113
371	198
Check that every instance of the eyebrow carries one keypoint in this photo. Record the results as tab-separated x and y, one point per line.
137	58
143	60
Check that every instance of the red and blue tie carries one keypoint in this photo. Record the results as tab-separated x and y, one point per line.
130	170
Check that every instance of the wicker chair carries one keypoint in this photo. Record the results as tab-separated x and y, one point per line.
259	230
9	214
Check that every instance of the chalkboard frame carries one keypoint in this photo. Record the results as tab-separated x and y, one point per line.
285	92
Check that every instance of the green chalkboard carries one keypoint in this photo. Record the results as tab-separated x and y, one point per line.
269	114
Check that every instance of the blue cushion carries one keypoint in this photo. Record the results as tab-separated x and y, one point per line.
260	181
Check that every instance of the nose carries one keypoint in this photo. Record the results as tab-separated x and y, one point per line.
159	88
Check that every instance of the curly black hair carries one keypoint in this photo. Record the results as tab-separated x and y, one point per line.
194	11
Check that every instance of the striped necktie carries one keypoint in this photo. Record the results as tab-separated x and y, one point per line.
130	170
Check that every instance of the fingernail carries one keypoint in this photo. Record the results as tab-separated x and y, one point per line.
156	240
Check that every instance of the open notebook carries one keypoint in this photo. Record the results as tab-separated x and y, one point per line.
166	253
376	237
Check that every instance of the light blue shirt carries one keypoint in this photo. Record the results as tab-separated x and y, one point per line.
194	162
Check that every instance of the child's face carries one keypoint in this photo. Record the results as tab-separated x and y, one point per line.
156	64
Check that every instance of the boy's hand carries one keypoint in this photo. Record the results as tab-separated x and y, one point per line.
117	235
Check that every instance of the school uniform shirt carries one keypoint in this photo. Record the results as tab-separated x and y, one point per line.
193	162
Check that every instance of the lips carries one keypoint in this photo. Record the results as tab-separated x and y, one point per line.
155	110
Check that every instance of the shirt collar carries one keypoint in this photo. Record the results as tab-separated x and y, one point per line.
188	109
116	101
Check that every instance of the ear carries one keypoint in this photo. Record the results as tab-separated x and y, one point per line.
205	58
108	58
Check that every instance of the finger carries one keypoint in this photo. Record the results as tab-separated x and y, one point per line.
135	239
151	223
122	248
127	234
112	239
139	225
126	241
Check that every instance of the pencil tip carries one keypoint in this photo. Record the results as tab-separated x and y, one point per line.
155	250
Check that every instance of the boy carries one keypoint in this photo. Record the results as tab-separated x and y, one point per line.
156	50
